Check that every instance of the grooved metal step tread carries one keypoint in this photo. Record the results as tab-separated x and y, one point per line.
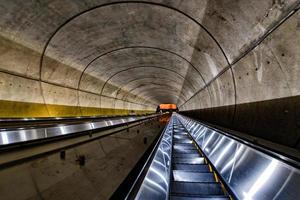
195	189
214	197
184	151
194	168
179	143
197	160
181	136
184	146
182	141
187	176
186	155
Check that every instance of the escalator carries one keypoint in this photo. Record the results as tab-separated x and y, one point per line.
193	161
192	177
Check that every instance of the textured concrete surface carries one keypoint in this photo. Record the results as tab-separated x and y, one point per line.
108	161
267	90
230	62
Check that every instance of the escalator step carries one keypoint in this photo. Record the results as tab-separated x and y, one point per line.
184	151
185	176
181	137
182	140
213	197
195	189
194	168
186	155
184	146
197	160
180	132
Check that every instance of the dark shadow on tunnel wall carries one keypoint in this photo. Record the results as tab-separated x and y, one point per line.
276	120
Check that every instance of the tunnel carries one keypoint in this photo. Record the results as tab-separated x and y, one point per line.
231	66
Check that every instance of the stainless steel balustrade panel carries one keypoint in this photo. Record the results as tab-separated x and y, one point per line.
24	135
156	182
250	173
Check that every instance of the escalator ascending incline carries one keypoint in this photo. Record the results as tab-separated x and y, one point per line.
192	161
192	178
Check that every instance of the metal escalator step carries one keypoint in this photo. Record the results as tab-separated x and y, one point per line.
178	138
182	140
184	146
186	176
213	197
196	160
180	131
183	143
181	135
195	189
194	168
184	151
186	155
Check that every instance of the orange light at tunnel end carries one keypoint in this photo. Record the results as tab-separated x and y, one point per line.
168	106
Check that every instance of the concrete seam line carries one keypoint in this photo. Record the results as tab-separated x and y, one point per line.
141	85
140	47
62	86
137	67
134	2
258	42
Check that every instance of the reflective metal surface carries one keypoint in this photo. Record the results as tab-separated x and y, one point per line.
8	137
156	182
248	172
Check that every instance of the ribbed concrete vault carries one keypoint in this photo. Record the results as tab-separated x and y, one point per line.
220	61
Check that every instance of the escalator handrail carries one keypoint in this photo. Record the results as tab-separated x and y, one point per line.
288	159
55	132
148	161
228	188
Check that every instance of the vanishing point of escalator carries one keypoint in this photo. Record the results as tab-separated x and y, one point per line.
191	177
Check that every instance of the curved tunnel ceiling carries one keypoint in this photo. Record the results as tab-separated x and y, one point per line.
106	51
140	53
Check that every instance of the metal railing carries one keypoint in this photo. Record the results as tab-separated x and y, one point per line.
249	172
155	184
24	135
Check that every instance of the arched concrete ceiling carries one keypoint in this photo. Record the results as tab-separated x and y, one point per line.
107	49
147	52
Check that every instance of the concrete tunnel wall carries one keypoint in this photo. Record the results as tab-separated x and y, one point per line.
258	93
232	63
